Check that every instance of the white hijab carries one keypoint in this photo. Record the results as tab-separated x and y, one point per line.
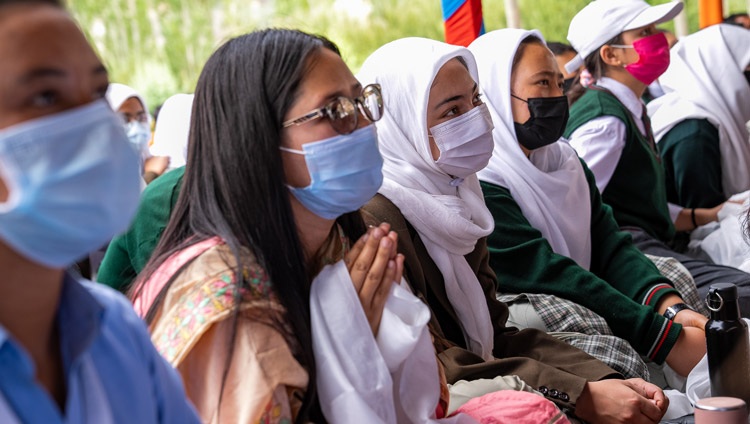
117	94
705	81
550	187
172	129
449	219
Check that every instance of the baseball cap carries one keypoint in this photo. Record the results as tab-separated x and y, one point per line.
602	20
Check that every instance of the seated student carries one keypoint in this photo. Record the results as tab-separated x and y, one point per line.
552	234
434	136
131	106
129	252
610	130
260	305
700	124
72	351
564	53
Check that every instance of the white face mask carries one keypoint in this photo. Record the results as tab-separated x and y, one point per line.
465	143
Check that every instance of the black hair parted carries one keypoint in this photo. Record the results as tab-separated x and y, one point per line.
234	183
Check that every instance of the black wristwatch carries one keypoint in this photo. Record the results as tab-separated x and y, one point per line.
673	310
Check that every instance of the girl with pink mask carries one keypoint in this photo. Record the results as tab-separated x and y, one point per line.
619	44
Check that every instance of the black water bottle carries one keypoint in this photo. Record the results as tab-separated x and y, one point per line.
728	344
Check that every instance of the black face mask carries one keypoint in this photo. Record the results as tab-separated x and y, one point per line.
568	83
747	76
549	116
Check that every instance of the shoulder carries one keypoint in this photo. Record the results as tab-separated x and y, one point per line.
380	209
213	272
119	322
593	104
165	184
690	128
207	291
490	189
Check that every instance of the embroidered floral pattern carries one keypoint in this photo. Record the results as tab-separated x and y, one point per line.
206	303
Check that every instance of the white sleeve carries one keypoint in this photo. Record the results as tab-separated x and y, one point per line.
674	211
599	143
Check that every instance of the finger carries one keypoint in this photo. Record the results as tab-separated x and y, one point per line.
394	238
648	391
650	410
355	250
376	272
364	260
377	302
399	268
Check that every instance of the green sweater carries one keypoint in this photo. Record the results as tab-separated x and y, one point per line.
128	253
637	190
692	159
622	286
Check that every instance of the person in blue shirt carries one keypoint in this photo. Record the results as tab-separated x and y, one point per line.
70	351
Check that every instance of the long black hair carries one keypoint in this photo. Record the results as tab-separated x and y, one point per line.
234	185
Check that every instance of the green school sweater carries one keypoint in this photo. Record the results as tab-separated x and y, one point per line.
622	286
128	253
637	190
692	160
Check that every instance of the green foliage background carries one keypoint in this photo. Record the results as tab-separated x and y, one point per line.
159	46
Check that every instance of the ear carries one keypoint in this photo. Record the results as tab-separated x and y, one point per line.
610	56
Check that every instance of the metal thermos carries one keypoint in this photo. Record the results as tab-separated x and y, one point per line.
728	344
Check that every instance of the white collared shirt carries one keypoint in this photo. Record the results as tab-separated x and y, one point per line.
600	141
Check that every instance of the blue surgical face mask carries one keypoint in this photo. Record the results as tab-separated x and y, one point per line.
139	135
345	173
73	183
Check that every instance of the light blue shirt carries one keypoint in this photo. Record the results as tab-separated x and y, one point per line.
113	374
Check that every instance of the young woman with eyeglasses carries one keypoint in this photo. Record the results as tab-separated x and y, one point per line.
266	228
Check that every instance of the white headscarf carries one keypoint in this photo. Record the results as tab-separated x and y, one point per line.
449	219
550	186
705	81
118	93
172	129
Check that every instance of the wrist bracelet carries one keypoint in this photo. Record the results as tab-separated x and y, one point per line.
692	218
673	310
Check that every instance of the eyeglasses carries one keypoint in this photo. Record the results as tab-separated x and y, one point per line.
342	112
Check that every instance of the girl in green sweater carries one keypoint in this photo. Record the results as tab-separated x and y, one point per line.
552	233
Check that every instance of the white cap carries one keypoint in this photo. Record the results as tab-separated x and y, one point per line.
602	20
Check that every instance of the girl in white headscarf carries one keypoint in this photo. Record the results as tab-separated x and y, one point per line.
700	123
552	234
435	134
134	112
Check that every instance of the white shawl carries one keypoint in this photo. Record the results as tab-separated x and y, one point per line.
389	379
705	81
550	187
449	219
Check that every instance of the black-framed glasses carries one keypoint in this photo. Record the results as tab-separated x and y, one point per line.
343	112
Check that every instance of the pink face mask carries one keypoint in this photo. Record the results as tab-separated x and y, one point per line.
653	57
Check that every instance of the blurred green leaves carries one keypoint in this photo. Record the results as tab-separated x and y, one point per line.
159	46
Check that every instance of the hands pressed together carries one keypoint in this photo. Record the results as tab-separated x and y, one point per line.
374	265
